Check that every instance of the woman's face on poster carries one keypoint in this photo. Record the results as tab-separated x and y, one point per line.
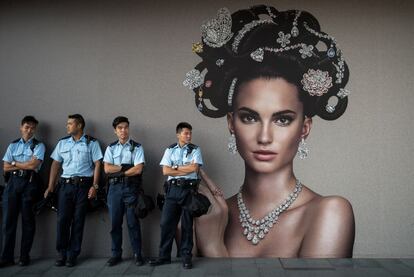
268	123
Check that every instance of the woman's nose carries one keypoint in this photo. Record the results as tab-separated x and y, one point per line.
265	135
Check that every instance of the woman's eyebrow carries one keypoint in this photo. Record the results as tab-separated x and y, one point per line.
245	109
274	114
284	112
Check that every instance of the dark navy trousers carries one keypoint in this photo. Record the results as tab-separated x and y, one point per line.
18	196
71	215
171	213
122	198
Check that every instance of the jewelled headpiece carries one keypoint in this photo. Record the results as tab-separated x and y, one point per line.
246	38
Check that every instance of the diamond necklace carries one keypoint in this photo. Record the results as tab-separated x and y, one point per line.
256	230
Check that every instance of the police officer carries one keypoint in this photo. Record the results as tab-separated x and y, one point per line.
79	155
123	163
180	163
22	161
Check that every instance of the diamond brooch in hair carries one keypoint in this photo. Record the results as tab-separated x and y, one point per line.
316	82
197	47
231	92
257	55
306	51
193	79
219	62
283	39
217	31
342	93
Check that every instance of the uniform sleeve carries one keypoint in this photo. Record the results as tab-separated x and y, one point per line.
166	159
56	153
139	155
8	157
39	151
197	158
108	158
96	151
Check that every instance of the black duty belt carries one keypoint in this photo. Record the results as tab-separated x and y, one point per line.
77	180
184	183
22	173
124	180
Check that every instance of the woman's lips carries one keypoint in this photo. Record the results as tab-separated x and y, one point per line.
264	155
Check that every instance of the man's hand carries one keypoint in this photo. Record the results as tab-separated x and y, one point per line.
91	193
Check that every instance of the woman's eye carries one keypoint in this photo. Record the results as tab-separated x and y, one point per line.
283	121
247	118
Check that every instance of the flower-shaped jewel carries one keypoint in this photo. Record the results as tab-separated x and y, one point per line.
306	51
197	47
316	82
257	55
284	39
193	79
342	93
220	62
217	31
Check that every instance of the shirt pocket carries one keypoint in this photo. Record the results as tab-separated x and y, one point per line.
187	159
19	155
117	158
83	154
65	153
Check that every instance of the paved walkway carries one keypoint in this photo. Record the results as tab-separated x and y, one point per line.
223	267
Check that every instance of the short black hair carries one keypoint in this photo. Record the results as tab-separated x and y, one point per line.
119	119
78	118
181	126
29	119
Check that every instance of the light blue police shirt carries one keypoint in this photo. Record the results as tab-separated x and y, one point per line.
77	157
21	151
176	155
130	152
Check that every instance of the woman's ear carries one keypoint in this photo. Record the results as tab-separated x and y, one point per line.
230	122
306	128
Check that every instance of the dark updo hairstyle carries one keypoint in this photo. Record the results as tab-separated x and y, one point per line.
262	42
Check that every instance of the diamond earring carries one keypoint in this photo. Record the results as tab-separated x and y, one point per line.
303	150
231	145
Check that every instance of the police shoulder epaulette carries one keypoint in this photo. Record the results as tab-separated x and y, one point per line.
16	140
134	143
192	146
90	138
34	144
173	145
65	137
113	143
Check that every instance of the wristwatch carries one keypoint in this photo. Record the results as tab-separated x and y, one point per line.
175	167
95	186
13	163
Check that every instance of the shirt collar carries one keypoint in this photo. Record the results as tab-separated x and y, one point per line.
83	138
29	141
128	142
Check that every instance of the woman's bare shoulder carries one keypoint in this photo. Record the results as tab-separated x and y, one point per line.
332	205
330	228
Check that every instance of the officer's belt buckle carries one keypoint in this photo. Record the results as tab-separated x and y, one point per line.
20	173
76	180
184	183
116	180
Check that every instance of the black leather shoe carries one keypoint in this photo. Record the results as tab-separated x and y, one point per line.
187	264
61	261
4	263
71	262
139	261
24	261
159	261
114	261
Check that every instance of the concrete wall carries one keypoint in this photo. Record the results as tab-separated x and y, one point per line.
104	59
